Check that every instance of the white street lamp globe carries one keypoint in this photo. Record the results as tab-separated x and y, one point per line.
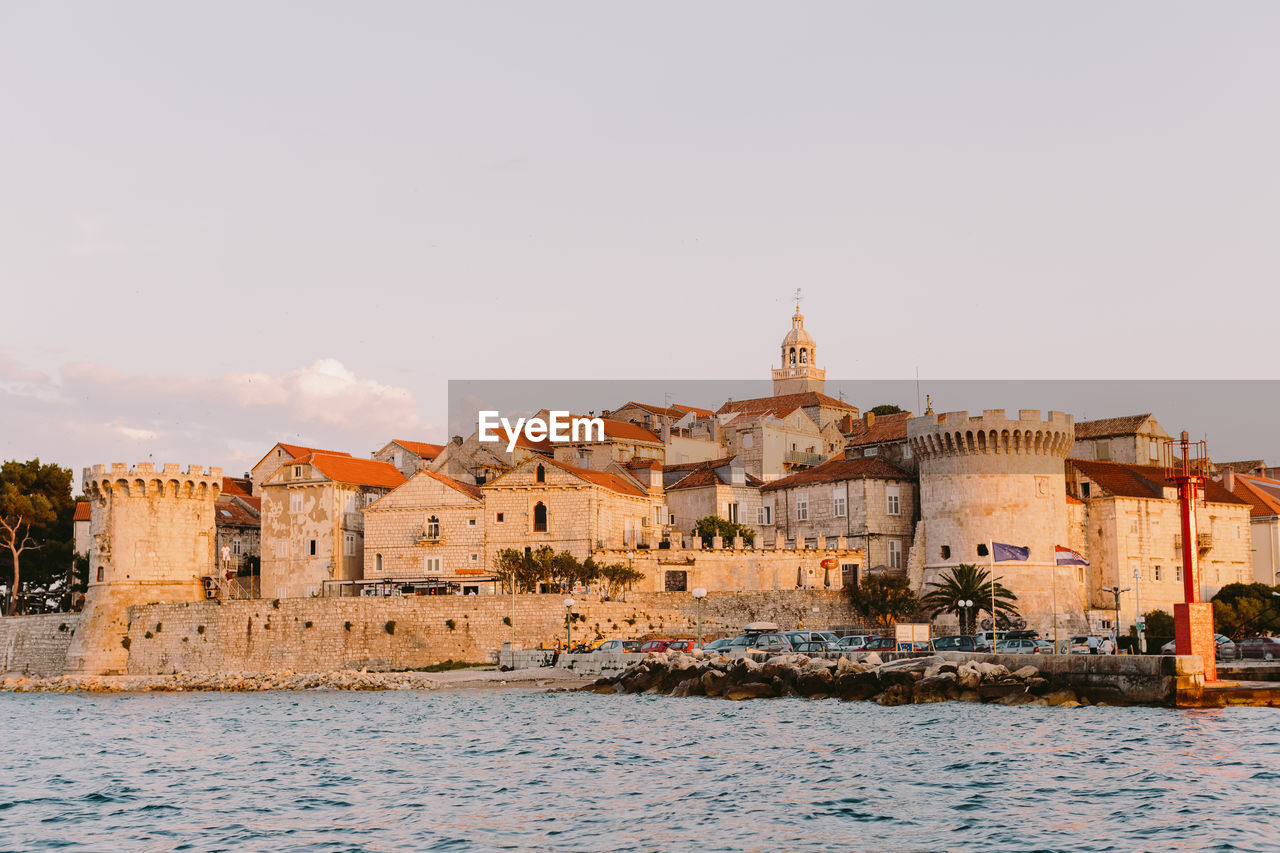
699	593
568	602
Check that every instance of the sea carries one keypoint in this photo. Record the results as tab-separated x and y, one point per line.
526	770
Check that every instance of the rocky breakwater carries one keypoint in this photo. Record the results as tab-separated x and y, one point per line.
899	682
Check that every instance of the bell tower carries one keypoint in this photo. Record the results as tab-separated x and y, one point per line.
798	372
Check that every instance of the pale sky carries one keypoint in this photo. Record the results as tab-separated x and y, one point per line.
224	224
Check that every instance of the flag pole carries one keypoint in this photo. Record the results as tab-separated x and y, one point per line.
1055	600
991	555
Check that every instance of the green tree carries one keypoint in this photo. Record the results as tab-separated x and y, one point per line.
1244	609
967	582
884	599
711	526
36	510
1159	623
886	409
619	575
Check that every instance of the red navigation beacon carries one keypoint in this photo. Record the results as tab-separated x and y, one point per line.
1186	466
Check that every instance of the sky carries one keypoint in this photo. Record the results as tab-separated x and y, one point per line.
227	224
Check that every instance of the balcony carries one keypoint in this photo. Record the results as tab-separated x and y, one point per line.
426	536
1204	542
801	459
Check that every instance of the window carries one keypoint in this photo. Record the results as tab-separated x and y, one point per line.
946	552
676	581
732	512
297	471
397	459
471	522
1177	573
1156	573
377	562
840	505
499	518
1155	449
892	501
895	553
764	515
295	502
1103	451
540	475
737	475
802	507
99	574
431	565
311	547
433	528
848	575
870	451
235	546
1079	574
906	451
349	545
748	441
475	558
982	550
540	516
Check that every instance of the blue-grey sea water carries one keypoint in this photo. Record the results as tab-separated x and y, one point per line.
515	770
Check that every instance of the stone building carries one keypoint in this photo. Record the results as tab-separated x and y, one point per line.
279	455
546	502
774	443
623	441
408	457
1263	496
239	530
1133	525
1136	439
719	487
798	371
431	526
867	501
474	461
152	539
313	524
996	478
879	435
80	538
688	433
740	569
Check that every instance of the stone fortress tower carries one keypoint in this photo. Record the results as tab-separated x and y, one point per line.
152	539
799	371
997	478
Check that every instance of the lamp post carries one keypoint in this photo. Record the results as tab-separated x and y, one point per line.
1115	590
568	625
1138	625
698	594
964	604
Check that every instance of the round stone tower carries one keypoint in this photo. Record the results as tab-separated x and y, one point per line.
152	539
995	478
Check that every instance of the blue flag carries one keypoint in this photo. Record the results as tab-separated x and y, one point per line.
1001	552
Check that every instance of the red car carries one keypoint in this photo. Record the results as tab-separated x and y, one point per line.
1267	648
683	645
658	645
879	644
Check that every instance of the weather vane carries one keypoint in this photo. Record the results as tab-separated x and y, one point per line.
798	298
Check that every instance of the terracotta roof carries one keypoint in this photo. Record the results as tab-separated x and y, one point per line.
420	448
252	501
1107	427
675	410
1262	495
469	489
1073	500
697	466
1243	466
83	509
886	428
612	482
1125	480
784	403
232	513
297	451
628	431
637	463
839	468
709	477
360	472
237	486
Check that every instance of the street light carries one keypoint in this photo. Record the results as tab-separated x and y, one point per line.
964	604
1139	626
698	594
568	625
1114	590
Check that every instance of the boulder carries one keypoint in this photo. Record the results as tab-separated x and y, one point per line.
873	659
969	677
1026	672
713	682
898	694
688	687
750	690
814	680
938	688
1061	697
857	685
969	696
1017	699
1001	689
1038	685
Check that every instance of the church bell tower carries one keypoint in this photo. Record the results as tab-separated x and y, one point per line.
799	372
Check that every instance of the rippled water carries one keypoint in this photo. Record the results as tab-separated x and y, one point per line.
532	771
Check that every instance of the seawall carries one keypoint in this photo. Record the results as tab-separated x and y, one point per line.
36	646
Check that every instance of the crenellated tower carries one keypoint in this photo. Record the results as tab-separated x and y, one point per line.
152	533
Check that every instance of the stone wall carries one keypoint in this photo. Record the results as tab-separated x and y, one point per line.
36	646
306	635
743	569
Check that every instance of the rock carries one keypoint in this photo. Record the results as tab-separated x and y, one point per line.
1001	689
898	694
857	685
938	688
688	687
750	690
844	665
1026	672
969	696
1069	705
969	677
892	677
1038	686
813	680
713	682
1016	699
873	659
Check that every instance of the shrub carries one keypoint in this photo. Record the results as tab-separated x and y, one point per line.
199	629
390	627
306	624
126	642
159	627
506	620
346	626
276	604
147	636
450	624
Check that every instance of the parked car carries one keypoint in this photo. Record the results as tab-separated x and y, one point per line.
815	646
656	645
1045	647
1079	644
959	643
854	642
879	644
770	643
1018	646
1267	648
1223	645
717	645
812	637
684	646
618	646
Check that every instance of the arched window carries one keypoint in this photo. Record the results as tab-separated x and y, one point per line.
378	562
793	356
540	475
433	528
99	574
804	356
540	518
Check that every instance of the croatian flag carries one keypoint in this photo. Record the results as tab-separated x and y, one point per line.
1001	552
1067	557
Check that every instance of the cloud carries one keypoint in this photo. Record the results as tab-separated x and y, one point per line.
90	413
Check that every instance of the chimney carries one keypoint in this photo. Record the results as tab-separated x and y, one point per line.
457	439
1229	479
869	418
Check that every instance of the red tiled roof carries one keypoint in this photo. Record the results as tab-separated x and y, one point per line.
1106	427
420	448
469	489
237	486
612	482
297	451
675	410
1262	495
785	403
637	463
360	472
83	509
839	468
1125	480
254	502
232	513
1073	500
886	428
697	466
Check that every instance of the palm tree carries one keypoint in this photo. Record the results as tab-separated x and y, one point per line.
968	582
